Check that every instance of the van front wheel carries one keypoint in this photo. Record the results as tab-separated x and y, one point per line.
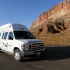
17	55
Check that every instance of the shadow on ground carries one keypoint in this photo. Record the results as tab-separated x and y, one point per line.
52	53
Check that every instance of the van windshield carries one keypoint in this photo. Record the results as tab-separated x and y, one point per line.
23	35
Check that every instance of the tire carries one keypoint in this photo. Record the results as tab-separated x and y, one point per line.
0	49
17	55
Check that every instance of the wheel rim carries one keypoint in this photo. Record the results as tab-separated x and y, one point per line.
17	56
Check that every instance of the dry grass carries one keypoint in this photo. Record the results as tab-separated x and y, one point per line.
55	39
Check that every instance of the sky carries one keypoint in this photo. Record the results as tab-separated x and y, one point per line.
24	11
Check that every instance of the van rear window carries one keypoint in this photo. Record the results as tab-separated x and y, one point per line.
0	34
4	35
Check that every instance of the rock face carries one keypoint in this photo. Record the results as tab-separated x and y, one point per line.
59	10
53	26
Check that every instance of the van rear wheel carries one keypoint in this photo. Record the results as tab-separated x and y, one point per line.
17	55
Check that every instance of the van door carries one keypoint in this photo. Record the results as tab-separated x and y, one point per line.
4	41
0	40
10	42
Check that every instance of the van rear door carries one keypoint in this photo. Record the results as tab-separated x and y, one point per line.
4	41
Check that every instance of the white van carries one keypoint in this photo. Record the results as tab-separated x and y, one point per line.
17	40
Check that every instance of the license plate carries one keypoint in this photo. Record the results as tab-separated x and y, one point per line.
38	54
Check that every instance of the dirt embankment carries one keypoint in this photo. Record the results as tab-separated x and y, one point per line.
53	26
54	32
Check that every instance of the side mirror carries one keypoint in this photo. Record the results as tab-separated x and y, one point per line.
34	36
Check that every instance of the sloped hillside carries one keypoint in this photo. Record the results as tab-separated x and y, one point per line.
54	32
53	26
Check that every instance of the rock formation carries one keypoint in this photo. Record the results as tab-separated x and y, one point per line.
59	10
53	26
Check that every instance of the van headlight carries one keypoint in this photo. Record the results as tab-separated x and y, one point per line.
25	46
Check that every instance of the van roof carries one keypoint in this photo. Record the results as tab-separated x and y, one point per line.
15	26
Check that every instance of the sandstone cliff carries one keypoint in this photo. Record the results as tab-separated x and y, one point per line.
53	26
59	10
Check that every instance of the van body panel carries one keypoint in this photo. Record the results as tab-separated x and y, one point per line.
18	36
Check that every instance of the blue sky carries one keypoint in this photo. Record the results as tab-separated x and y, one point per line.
24	11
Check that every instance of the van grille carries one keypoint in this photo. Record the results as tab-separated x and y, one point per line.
36	46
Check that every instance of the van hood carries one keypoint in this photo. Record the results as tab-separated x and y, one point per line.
30	40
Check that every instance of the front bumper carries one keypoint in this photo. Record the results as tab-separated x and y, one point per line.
32	52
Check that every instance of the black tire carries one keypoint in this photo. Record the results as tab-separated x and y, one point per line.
17	55
0	50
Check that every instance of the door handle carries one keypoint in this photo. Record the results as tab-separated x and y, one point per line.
7	43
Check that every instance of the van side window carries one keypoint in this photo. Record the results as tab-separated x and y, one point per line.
5	35
2	35
10	36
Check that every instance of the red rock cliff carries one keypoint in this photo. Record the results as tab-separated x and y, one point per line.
58	10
